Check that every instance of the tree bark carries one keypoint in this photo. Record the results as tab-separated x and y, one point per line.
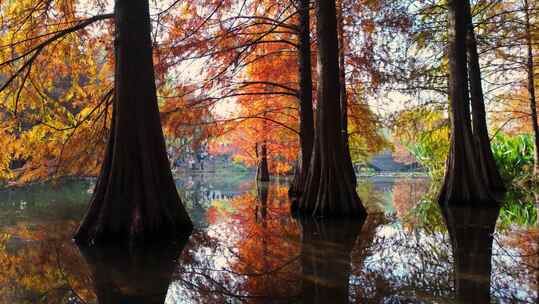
329	190
487	162
471	231
262	172
306	121
531	86
135	198
344	95
261	210
463	181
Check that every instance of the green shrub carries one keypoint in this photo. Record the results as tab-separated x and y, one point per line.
431	153
519	208
513	155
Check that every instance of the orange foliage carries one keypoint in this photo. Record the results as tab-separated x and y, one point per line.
55	112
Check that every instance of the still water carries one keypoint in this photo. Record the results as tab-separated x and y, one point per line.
246	248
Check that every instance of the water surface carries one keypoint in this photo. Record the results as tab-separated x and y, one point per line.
246	248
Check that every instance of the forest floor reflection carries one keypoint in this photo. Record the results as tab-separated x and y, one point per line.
247	248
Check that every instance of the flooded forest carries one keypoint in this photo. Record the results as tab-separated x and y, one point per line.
261	151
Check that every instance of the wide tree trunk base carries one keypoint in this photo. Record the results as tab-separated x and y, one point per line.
135	199
464	183
330	192
133	234
133	226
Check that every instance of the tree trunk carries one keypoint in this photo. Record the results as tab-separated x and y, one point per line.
463	181
471	231
325	259
489	170
262	172
135	198
306	122
344	95
531	87
329	190
262	191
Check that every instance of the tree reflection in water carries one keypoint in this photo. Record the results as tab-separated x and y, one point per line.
249	253
325	259
132	275
471	231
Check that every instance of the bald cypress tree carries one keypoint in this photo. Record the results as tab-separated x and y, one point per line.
329	190
262	170
530	69
344	94
306	121
464	181
135	198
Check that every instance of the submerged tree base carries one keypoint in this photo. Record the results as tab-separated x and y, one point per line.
464	182
128	237
329	190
